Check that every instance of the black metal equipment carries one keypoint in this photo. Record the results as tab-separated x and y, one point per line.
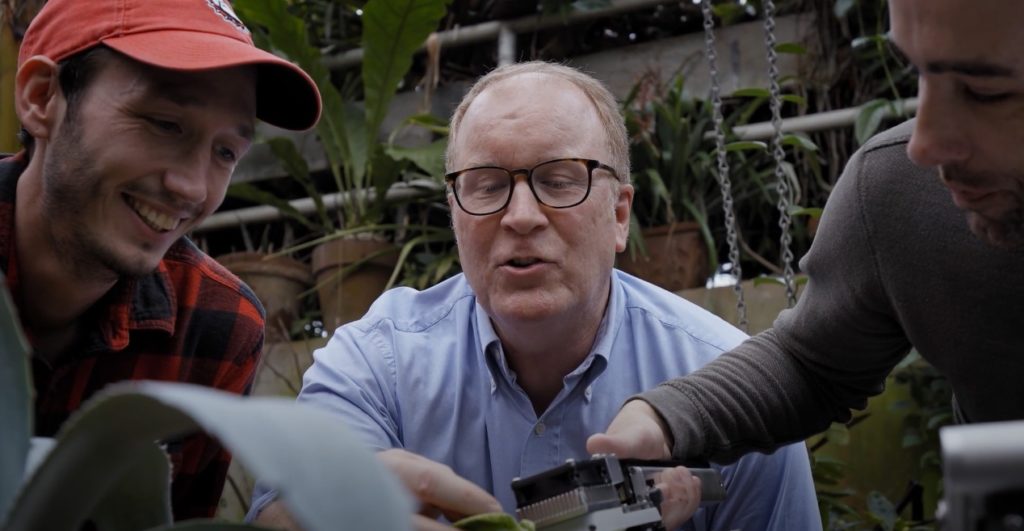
603	493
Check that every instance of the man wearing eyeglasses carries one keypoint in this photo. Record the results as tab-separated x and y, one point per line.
504	370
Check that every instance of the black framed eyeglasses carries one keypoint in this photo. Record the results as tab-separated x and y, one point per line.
560	183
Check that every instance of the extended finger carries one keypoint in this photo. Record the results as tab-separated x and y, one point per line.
435	484
680	496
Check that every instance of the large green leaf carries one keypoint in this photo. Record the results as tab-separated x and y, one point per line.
429	158
15	406
325	476
341	128
274	28
869	119
292	160
392	32
249	192
140	498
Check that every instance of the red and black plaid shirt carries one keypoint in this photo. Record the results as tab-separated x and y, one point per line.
189	321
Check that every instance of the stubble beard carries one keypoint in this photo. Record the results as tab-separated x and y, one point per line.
71	184
1006	230
1006	233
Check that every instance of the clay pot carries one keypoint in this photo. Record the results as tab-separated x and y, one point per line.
345	298
277	282
677	257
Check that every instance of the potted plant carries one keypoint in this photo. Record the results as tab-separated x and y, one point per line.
355	257
671	243
677	208
277	279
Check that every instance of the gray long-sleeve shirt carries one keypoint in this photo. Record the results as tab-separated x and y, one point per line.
893	265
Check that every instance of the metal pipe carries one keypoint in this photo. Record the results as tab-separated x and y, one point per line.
399	192
817	122
506	46
424	187
489	31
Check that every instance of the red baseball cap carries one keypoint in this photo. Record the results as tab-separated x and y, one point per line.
177	35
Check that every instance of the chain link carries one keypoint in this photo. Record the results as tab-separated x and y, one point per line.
782	182
724	182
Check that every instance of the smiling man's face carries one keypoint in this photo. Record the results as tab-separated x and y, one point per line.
970	123
140	159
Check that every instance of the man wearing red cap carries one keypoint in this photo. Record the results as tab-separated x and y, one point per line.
134	115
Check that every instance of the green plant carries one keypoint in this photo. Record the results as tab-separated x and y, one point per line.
675	167
930	408
927	408
850	61
359	163
105	467
836	502
494	522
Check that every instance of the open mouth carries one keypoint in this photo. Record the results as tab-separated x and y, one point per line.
522	262
155	220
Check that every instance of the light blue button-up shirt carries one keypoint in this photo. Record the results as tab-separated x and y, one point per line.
425	371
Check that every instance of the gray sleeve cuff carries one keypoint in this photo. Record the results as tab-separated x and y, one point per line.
680	419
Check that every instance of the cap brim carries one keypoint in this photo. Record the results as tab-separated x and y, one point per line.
285	95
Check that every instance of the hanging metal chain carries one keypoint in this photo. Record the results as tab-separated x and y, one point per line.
782	182
731	229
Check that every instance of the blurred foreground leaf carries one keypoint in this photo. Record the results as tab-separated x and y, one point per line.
493	522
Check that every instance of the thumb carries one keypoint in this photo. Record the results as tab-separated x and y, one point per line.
601	443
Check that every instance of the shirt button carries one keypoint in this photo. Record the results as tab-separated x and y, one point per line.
539	429
587	392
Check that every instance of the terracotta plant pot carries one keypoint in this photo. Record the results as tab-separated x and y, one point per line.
677	257
277	282
345	298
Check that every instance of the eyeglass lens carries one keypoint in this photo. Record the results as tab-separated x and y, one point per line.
559	184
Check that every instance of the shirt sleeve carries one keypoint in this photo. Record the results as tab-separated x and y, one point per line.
822	358
353	377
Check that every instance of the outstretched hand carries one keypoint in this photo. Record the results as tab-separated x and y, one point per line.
637	431
438	489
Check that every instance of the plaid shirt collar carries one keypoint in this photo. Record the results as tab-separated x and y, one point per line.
143	303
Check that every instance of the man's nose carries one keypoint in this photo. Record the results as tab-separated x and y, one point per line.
939	137
523	213
186	178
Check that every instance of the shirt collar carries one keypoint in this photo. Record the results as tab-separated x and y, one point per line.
497	363
144	303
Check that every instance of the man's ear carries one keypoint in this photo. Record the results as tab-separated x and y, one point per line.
37	97
623	207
